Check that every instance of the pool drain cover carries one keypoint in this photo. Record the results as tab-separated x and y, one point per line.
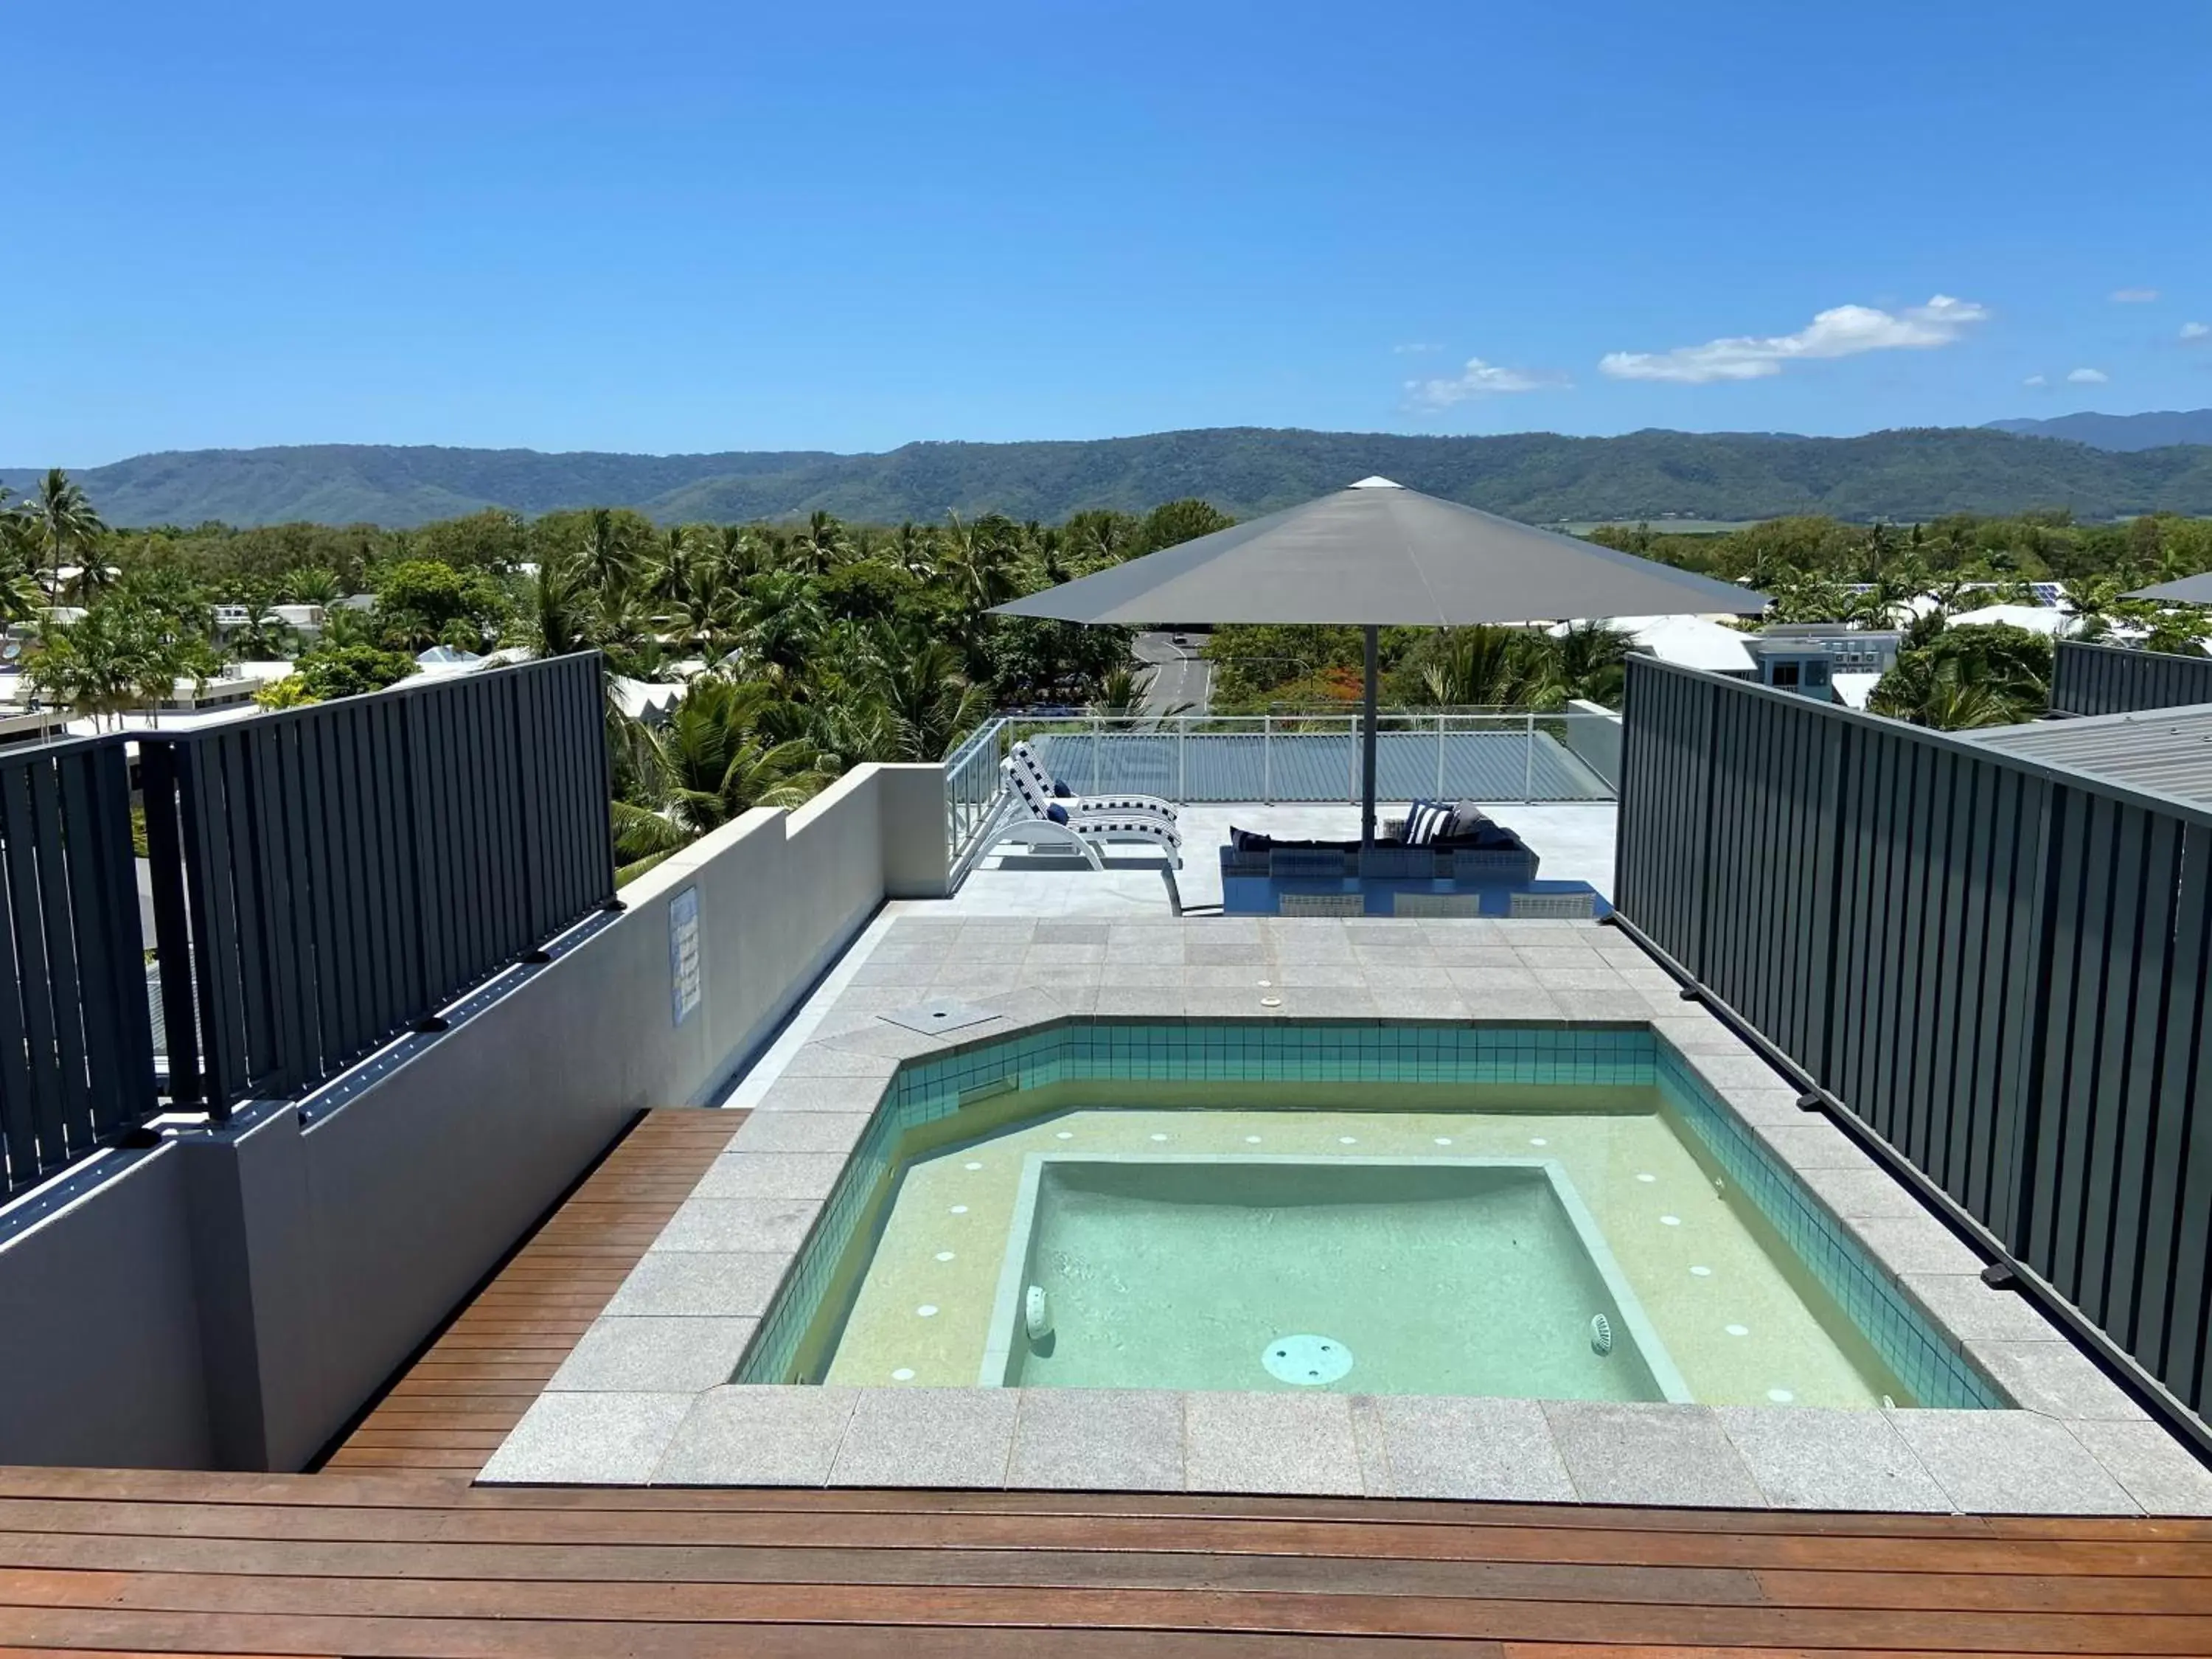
938	1014
1307	1360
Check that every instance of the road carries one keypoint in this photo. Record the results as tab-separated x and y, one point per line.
1179	675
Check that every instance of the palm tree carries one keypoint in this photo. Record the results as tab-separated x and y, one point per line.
609	557
711	762
822	544
309	584
68	531
920	683
115	656
783	620
1592	662
914	549
1489	667
1944	693
977	562
22	599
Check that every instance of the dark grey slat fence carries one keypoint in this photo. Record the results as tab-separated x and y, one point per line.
333	875
76	1066
2110	679
2002	968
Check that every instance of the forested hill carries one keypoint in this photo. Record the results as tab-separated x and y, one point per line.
2155	430
1538	477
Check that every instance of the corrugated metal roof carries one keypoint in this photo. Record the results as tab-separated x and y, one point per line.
2168	751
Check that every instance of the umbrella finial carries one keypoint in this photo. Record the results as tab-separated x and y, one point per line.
1376	481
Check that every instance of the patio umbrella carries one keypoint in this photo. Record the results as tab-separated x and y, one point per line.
1375	555
2190	590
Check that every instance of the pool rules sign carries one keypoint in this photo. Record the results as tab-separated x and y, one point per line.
684	953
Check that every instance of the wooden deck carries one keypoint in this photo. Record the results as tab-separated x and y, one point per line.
390	1551
453	1407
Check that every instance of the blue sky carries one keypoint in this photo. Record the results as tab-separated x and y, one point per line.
692	227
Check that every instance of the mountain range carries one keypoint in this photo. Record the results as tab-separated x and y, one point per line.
1540	477
2153	430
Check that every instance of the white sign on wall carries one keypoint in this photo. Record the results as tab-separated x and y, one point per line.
683	965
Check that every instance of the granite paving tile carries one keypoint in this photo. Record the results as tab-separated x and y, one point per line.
1638	1453
800	1131
1914	1243
751	1435
928	1437
637	1353
692	1283
1970	1310
2158	1473
750	1174
588	1438
2010	1463
1805	1458
1494	1449
2055	1378
1098	1440
740	1225
1270	1443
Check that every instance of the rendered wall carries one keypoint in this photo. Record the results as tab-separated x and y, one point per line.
100	1341
315	1259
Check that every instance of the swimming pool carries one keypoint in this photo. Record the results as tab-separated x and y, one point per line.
1550	1212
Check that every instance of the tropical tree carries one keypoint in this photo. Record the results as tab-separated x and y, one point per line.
706	766
65	528
822	545
1591	662
119	653
1488	667
1961	677
609	549
922	684
310	585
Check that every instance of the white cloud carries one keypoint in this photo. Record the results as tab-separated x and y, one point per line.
2134	296
2087	377
2195	331
1842	332
2035	379
1477	379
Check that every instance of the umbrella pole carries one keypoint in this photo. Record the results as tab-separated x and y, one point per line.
1367	749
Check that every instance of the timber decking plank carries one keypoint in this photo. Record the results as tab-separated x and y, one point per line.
446	1638
1564	1544
451	1406
1618	1581
1117	1608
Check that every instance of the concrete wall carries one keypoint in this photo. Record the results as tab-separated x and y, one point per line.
237	1295
99	1340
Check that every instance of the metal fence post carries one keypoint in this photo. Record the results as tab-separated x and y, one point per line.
1268	758
1528	762
1440	756
1183	736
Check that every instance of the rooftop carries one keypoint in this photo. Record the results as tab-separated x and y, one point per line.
529	1179
2167	751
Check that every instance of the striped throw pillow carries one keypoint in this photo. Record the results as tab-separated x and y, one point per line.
1428	820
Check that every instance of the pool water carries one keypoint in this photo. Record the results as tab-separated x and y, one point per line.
1185	1282
1422	1276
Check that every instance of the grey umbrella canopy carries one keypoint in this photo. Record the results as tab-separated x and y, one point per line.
1377	555
2190	590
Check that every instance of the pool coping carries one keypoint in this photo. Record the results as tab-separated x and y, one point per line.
644	1398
